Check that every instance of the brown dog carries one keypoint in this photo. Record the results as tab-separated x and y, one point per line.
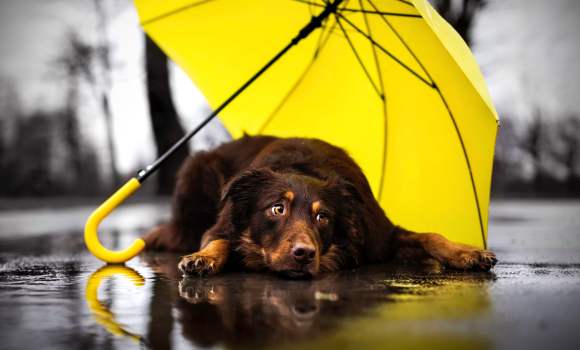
297	207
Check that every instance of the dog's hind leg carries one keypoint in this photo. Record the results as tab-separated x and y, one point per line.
195	204
197	196
159	238
421	247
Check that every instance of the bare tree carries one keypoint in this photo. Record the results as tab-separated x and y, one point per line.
76	64
505	171
164	118
103	56
97	70
4	175
459	13
9	108
569	134
532	141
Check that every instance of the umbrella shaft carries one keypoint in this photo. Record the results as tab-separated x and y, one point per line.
314	23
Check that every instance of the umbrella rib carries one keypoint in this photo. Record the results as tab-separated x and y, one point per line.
468	165
384	101
387	52
364	11
309	3
396	14
406	2
452	119
171	13
320	40
381	96
404	43
321	45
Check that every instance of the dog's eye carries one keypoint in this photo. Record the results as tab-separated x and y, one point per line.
278	209
321	217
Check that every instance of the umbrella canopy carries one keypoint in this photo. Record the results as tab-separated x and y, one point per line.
387	80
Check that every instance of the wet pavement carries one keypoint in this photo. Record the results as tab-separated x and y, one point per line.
55	295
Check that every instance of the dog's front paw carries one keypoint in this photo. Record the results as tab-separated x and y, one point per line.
207	262
200	264
472	259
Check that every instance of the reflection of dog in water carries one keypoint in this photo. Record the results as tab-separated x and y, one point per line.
283	309
251	309
296	207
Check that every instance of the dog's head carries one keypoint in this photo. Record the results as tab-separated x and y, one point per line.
291	223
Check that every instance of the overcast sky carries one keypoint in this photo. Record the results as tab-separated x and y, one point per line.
528	51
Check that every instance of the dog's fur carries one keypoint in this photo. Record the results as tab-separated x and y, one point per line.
297	207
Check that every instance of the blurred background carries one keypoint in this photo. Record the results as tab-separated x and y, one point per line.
86	99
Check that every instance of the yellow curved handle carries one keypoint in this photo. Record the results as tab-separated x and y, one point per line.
91	238
102	314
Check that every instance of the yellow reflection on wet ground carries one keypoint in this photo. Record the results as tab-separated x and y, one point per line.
55	295
423	312
377	305
102	312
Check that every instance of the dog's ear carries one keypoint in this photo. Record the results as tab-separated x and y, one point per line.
349	201
245	184
348	190
241	191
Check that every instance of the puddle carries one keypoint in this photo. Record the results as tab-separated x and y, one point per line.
55	295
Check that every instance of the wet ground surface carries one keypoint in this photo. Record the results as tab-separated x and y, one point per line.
55	295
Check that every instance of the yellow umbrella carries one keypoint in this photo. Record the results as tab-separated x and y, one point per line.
388	80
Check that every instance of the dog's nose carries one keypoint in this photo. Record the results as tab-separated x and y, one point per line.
303	253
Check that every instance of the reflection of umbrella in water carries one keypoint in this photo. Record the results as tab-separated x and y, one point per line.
389	81
102	314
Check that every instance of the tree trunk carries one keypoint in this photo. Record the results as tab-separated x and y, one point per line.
110	141
72	134
164	118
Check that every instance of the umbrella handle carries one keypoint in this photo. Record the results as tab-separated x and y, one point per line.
91	238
